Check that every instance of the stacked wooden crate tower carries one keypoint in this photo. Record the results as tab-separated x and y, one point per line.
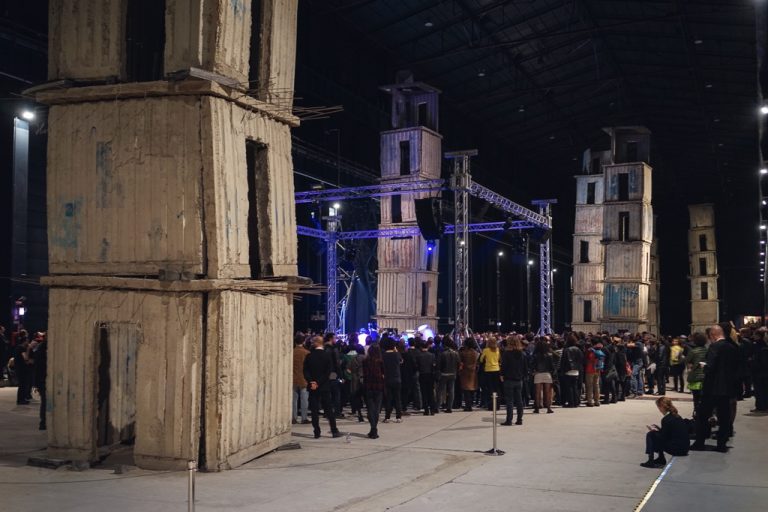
172	229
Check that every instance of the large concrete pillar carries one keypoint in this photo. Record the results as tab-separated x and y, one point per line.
170	200
702	253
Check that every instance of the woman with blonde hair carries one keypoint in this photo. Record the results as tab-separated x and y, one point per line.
490	358
671	437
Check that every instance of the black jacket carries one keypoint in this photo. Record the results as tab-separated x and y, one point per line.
425	362
514	365
721	371
449	362
674	435
318	366
572	359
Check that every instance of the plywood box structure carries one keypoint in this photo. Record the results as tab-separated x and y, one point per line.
612	285
411	151
172	232
702	254
588	252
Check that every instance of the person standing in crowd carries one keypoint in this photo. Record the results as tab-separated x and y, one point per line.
40	356
671	437
489	358
318	369
595	362
392	380
300	393
5	352
650	371
448	366
621	369
425	363
514	369
543	367
329	342
468	372
636	357
696	356
759	369
609	376
22	365
408	375
571	365
373	382
719	387
353	374
677	365
663	360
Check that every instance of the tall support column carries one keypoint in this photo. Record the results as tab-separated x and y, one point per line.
545	270
461	181
332	276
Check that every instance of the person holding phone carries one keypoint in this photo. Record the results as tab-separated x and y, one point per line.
671	437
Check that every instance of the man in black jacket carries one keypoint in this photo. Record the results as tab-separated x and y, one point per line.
514	368
318	366
720	373
425	364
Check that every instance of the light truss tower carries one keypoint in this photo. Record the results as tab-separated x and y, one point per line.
461	181
332	271
545	269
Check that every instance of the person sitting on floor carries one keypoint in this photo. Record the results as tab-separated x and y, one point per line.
671	437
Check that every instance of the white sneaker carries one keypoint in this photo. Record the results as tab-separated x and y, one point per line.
398	420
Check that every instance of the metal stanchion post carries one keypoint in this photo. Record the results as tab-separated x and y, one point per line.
494	450
191	467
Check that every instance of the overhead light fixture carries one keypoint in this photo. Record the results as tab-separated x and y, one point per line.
429	24
762	254
764	109
521	108
708	86
762	226
461	243
337	206
530	262
698	41
719	144
716	120
554	270
501	253
28	115
762	242
764	170
551	137
481	73
765	202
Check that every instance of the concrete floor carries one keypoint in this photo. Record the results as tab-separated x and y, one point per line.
573	460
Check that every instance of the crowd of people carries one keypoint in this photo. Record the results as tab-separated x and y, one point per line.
434	375
24	363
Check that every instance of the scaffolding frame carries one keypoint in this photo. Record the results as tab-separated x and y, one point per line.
463	189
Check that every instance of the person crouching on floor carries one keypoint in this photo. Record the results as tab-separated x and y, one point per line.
671	437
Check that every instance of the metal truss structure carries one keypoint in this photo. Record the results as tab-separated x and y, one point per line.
460	183
545	270
407	231
463	187
385	189
509	206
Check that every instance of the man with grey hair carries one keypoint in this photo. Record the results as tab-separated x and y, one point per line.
720	372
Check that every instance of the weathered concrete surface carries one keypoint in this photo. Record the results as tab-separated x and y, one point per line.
573	460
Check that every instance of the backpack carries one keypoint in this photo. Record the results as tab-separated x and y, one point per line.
600	361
